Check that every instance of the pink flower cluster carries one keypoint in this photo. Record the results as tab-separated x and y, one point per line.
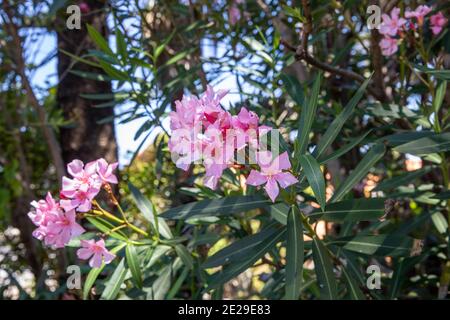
56	221
393	25
203	132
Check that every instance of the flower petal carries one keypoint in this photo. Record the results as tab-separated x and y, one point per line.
272	189
285	179
256	178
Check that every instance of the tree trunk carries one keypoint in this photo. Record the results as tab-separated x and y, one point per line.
84	138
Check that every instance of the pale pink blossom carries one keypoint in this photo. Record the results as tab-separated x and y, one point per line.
96	252
437	22
62	229
272	173
54	226
388	46
234	14
44	210
420	13
186	114
105	171
79	192
392	24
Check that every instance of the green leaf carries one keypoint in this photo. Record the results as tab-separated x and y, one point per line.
376	245
106	227
315	178
404	137
440	94
134	264
401	180
161	285
344	149
114	73
115	281
307	116
351	210
401	267
184	255
294	88
147	210
121	44
439	222
279	212
91	75
443	195
95	272
99	40
361	170
337	124
79	59
432	144
216	207
240	249
355	292
90	280
294	254
324	271
234	269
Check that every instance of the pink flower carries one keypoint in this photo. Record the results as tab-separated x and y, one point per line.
392	24
96	251
55	227
84	7
272	173
209	104
79	192
186	114
419	13
388	46
234	14
437	22
62	229
105	171
45	210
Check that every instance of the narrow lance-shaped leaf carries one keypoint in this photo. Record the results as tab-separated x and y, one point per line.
294	254
134	264
232	270
372	157
324	271
315	178
337	124
115	281
354	291
344	149
99	40
377	245
307	116
351	210
432	144
146	208
95	272
216	207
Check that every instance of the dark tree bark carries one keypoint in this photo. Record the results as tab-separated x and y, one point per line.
85	138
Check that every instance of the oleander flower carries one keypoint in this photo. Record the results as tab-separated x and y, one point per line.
392	24
437	22
79	192
272	174
420	13
388	46
95	252
105	171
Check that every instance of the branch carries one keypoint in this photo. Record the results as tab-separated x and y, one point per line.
19	66
301	53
